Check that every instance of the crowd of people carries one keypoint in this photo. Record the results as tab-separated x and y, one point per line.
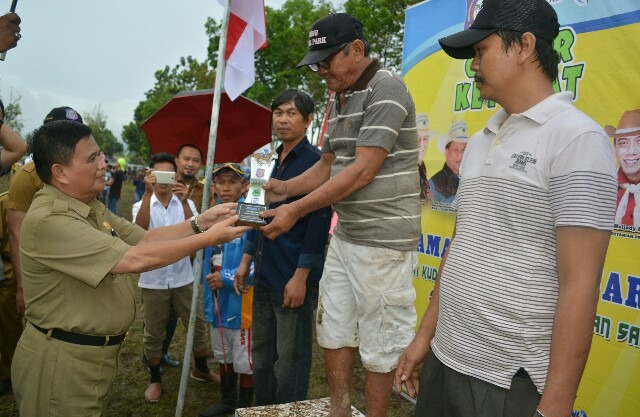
508	328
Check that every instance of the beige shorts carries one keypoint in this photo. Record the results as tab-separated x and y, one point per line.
233	346
366	301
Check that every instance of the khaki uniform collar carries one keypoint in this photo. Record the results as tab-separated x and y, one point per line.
63	202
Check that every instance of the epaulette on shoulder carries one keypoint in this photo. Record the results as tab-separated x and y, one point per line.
60	206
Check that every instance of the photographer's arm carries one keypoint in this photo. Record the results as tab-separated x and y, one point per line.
14	147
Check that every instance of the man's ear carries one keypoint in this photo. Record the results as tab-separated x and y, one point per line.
527	47
358	48
309	120
59	173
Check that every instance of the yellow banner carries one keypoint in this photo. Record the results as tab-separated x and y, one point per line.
599	43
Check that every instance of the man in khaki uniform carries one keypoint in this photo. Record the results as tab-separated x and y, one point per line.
76	258
23	186
188	162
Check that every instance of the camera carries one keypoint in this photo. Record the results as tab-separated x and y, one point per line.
165	177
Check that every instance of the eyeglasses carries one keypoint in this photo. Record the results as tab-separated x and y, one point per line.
234	167
326	63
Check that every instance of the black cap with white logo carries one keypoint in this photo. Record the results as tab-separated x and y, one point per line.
328	34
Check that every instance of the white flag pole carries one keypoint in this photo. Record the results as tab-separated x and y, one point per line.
213	134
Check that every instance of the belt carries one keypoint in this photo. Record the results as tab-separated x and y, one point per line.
82	339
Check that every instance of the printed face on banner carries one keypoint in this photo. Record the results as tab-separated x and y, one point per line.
628	156
453	155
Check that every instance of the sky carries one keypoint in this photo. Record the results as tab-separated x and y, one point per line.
99	53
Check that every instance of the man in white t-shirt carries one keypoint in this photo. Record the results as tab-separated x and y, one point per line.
509	327
164	205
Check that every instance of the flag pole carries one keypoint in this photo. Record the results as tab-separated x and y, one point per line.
213	135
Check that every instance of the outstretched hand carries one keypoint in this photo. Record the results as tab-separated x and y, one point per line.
215	214
284	218
224	230
276	190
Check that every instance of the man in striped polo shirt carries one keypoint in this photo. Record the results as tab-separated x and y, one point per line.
368	172
509	326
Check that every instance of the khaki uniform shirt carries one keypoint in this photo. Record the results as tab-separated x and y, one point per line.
24	184
196	192
67	249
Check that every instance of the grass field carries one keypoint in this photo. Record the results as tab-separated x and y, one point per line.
127	396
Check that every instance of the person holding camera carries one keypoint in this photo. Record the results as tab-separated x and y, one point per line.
164	203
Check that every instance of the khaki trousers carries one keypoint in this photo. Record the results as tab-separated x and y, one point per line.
59	379
155	312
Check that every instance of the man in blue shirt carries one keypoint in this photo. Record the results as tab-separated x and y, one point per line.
287	269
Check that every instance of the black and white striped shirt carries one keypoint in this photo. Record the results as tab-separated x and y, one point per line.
521	178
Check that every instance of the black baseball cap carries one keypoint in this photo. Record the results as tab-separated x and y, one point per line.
535	16
328	34
63	113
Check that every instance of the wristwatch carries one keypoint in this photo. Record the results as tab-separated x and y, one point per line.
195	226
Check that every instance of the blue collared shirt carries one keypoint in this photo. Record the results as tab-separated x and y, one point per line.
301	247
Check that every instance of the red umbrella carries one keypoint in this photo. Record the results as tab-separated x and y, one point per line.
243	127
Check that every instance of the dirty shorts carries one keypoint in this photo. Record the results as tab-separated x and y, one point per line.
366	301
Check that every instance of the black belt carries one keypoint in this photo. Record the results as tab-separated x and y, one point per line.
82	339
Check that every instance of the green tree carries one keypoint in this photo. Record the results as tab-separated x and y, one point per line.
188	75
13	113
384	29
104	137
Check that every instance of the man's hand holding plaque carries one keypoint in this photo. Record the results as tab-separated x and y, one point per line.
262	165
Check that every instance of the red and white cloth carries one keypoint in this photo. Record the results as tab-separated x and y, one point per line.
246	34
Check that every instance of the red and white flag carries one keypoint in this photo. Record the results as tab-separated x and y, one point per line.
246	34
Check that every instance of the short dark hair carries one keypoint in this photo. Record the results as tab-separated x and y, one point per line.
189	145
303	102
547	57
55	143
163	157
367	47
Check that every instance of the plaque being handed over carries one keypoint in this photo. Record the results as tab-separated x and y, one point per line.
262	165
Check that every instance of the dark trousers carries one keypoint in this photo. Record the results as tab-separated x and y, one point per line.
282	343
10	326
446	393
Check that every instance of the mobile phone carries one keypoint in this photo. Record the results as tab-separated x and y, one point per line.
165	177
